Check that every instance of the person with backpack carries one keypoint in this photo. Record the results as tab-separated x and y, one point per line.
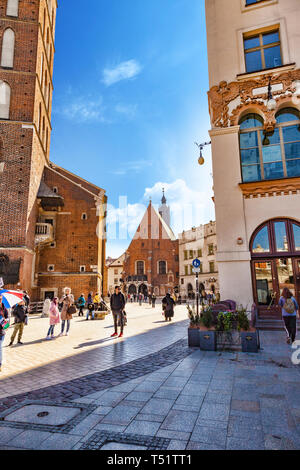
4	323
168	307
117	305
289	308
20	315
81	305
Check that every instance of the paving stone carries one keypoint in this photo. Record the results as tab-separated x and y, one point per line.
202	446
180	421
122	415
219	412
177	445
29	439
145	428
86	425
209	435
239	444
245	405
109	427
59	442
103	410
195	401
194	389
139	396
148	386
149	417
7	434
216	397
158	406
168	393
111	398
179	435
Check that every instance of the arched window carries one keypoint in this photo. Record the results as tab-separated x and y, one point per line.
12	8
140	268
267	156
8	48
4	100
162	267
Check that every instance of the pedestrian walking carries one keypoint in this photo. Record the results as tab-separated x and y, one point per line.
96	301
140	299
81	305
19	313
117	305
54	317
46	308
26	300
290	309
153	299
168	307
3	325
90	311
68	310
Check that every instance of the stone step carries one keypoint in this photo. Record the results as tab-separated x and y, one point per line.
271	324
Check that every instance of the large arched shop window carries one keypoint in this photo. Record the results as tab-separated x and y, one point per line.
267	156
275	249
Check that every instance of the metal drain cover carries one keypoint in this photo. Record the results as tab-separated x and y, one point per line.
50	415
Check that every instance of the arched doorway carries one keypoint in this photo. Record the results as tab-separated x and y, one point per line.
275	254
132	289
143	289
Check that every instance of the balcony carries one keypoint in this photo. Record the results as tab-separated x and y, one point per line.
43	234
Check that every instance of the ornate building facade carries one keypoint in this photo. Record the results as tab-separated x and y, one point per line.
199	242
254	103
151	263
40	222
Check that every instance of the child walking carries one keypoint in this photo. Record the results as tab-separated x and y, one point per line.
54	317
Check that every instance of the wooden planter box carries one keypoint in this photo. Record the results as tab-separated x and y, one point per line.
193	337
208	340
250	341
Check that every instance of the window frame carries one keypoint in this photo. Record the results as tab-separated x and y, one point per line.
262	47
273	253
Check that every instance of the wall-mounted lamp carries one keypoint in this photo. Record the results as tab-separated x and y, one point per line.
201	160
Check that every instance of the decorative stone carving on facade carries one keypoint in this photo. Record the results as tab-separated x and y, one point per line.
220	97
265	188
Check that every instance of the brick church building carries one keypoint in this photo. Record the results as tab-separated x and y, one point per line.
151	262
52	222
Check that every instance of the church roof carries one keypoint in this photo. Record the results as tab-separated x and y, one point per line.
154	220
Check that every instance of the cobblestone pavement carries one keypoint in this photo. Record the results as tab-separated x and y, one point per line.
176	398
88	348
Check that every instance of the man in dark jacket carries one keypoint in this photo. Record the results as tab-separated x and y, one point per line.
19	313
168	307
117	305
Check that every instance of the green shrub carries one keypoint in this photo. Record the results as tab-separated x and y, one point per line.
193	316
207	317
243	321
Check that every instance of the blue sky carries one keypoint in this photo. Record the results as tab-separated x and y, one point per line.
130	84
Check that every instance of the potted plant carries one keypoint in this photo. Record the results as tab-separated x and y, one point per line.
207	333
249	336
193	330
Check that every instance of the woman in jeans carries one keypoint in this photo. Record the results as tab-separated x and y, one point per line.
54	317
3	316
67	300
289	308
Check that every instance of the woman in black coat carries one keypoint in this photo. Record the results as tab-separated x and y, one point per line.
168	307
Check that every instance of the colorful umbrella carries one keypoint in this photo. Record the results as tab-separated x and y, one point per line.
10	298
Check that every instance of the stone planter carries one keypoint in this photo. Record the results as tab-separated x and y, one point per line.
208	340
193	338
100	315
250	341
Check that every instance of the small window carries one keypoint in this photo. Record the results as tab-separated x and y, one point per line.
162	267
182	281
50	267
115	271
55	190
84	216
53	245
212	267
4	100
191	254
199	253
210	249
12	8
82	269
262	51
186	270
8	49
140	268
185	254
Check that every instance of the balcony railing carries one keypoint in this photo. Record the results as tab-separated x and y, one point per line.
43	233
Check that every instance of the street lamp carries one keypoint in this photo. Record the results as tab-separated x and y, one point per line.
201	160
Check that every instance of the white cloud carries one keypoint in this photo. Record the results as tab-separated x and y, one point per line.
123	71
84	109
135	166
127	110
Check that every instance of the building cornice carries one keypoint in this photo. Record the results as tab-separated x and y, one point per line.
224	130
269	188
